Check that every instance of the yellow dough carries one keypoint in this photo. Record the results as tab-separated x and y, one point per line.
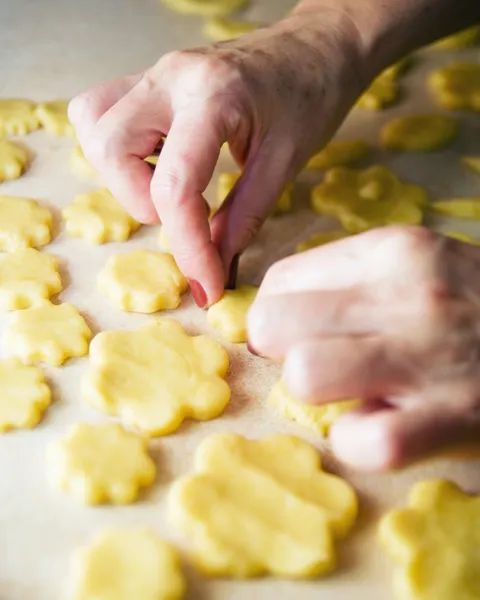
17	117
435	543
53	117
463	39
14	159
142	281
47	333
418	133
100	463
80	164
385	89
457	85
221	29
229	315
127	564
26	278
24	395
318	418
339	153
462	208
319	239
157	376
462	237
206	8
363	199
99	218
274	510
163	241
152	160
472	162
23	224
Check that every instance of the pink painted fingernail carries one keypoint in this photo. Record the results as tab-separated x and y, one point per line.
198	293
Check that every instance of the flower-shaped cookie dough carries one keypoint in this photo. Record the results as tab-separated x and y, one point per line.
157	376
47	333
127	564
319	239
319	418
221	29
53	117
275	510
142	281
99	218
23	224
14	159
229	315
419	133
370	198
435	543
339	153
385	89
26	278
100	463
457	85
472	162
24	395
206	8
80	164
459	208
463	39
17	117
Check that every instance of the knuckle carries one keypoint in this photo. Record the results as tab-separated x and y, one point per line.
169	188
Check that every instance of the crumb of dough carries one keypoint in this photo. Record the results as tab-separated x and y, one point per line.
418	133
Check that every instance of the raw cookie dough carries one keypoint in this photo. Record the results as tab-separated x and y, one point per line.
460	208
80	164
24	395
157	376
276	512
14	159
98	218
385	89
17	117
472	162
127	564
100	463
207	8
463	39
27	277
418	133
47	333
53	117
229	315
221	29
363	199
462	237
319	239
457	85
318	418
142	281
339	153
163	241
23	224
435	543
225	184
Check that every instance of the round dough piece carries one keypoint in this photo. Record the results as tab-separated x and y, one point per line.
23	224
24	395
47	333
99	218
320	239
17	117
339	153
222	29
127	564
229	315
419	133
100	463
80	164
207	8
142	281
14	159
457	85
53	117
157	376
27	277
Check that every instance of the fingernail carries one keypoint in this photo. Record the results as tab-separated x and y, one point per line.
232	273
198	293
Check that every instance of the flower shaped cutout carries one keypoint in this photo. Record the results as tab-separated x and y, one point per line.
457	85
419	133
14	159
53	117
229	315
23	223
17	117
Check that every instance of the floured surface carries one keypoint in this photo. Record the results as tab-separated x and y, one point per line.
40	528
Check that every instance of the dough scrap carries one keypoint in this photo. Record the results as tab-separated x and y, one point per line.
418	133
24	395
97	217
457	86
221	29
363	199
462	237
157	376
80	164
207	8
100	464
463	39
434	543
225	184
319	239
27	277
14	159
318	418
339	153
53	117
229	315
472	162
23	224
127	564
460	208
17	117
50	333
275	512
142	281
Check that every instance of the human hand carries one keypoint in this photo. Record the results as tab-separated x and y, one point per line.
391	316
275	95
